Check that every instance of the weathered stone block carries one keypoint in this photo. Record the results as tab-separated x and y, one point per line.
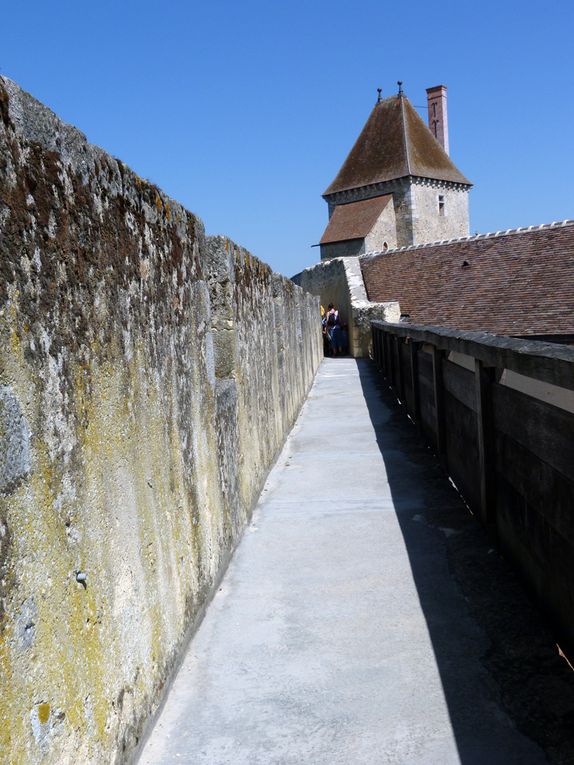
15	457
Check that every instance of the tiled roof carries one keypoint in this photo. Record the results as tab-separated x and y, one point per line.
394	143
518	282
354	220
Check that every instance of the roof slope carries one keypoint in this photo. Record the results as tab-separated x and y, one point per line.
354	220
394	143
516	283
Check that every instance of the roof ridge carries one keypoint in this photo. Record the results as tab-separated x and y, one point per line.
473	237
405	137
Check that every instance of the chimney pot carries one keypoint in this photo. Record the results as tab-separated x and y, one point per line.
438	117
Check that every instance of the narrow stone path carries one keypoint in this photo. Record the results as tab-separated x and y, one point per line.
339	634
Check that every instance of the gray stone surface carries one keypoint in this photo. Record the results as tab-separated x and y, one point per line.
340	281
148	379
14	440
338	634
428	225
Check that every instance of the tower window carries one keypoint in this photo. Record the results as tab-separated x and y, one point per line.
441	205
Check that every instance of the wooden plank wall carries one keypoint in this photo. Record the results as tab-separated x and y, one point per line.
426	393
510	455
461	432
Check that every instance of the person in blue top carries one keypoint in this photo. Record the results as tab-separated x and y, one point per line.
332	329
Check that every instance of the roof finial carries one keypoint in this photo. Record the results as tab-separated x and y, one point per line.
400	84
379	91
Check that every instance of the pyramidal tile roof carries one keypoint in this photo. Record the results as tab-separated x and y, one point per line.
394	143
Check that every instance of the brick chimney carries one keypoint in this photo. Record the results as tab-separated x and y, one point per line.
438	117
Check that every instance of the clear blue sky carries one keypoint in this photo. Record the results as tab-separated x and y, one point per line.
244	110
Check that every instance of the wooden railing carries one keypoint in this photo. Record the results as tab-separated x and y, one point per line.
499	412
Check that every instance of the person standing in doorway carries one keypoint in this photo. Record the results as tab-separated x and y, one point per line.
332	321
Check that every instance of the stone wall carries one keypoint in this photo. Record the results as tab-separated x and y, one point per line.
384	232
428	225
267	346
416	218
147	380
340	281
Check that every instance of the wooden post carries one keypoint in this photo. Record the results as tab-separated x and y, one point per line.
483	379
382	350
416	413
438	389
390	357
399	387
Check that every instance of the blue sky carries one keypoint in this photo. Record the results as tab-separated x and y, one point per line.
244	111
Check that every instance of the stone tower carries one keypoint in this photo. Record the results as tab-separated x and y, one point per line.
398	186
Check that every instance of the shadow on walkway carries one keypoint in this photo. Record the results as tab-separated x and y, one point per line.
529	686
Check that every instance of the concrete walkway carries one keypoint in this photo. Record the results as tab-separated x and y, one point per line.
339	634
